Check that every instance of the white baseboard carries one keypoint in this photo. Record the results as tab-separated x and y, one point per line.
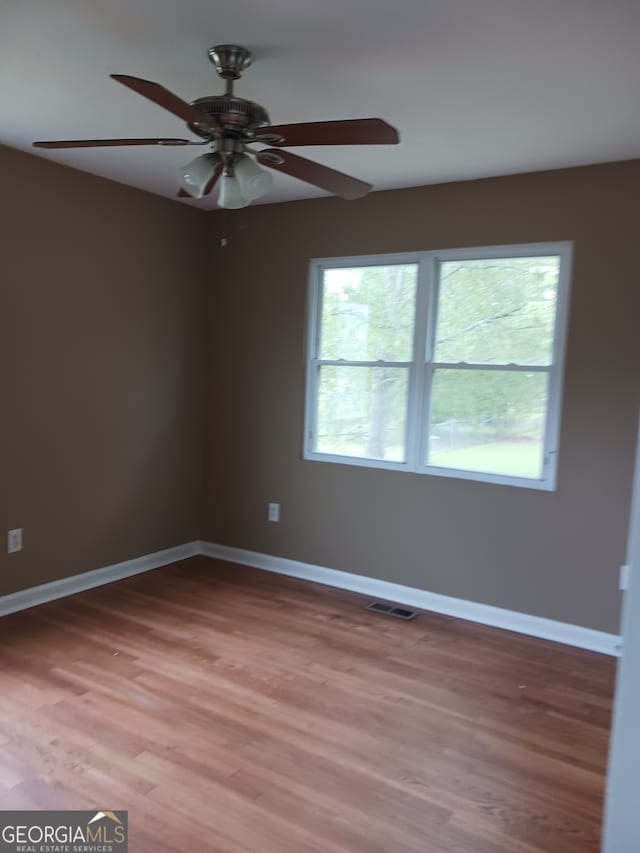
88	580
485	614
510	620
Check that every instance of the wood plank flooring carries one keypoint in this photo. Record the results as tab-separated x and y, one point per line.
234	711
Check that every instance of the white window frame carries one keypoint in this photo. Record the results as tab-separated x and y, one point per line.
422	366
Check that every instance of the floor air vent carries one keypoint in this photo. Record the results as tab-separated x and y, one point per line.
390	610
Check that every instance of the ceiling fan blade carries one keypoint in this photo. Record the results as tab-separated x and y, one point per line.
108	143
166	99
313	173
361	131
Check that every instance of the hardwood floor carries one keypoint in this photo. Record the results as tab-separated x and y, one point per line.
234	711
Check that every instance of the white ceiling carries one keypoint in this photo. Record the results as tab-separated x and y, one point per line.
475	87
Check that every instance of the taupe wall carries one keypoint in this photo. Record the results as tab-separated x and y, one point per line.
550	554
101	371
105	375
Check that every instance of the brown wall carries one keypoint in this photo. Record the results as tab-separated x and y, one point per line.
101	371
550	554
103	364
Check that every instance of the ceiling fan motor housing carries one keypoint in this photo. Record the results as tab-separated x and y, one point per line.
235	115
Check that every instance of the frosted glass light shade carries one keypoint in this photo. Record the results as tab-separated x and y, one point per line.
254	181
231	195
195	176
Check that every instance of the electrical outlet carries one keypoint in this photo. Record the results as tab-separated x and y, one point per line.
273	512
14	540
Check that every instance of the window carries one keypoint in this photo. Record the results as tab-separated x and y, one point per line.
446	363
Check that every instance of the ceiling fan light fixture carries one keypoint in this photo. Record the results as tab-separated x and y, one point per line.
231	196
254	181
195	176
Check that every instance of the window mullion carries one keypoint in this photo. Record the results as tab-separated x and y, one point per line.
417	373
427	358
315	296
555	380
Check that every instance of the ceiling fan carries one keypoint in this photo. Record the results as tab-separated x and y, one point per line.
229	125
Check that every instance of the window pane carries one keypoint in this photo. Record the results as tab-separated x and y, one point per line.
488	420
497	311
362	411
367	313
